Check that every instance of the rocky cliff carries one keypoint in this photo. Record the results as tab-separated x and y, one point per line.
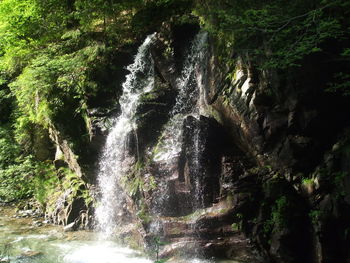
261	172
269	179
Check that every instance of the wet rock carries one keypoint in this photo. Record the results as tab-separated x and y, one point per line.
200	159
64	150
151	115
279	123
70	227
37	223
236	248
77	205
59	163
206	232
25	213
30	254
192	180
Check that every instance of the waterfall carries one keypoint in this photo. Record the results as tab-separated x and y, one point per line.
112	160
189	101
185	126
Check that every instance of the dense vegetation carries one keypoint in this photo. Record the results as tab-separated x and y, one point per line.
282	34
283	31
53	55
62	60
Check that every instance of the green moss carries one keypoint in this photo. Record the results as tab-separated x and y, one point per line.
279	214
307	181
175	231
215	114
236	226
133	182
223	210
315	216
196	214
229	198
132	242
143	213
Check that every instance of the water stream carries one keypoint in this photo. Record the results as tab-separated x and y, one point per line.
111	163
189	101
22	242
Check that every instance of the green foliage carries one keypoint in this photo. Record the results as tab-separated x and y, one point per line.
22	28
279	32
16	181
157	244
334	181
236	226
75	184
51	53
152	13
340	84
135	183
20	176
307	181
9	150
51	189
19	22
315	216
279	212
45	184
279	217
339	183
6	104
24	177
55	79
143	213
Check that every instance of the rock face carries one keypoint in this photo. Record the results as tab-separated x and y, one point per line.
256	178
279	122
188	201
77	141
261	175
64	152
199	164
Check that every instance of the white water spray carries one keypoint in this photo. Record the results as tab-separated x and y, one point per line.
190	100
139	81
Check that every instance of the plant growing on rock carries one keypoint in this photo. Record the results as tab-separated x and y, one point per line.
156	244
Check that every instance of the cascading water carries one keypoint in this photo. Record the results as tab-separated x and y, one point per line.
194	75
55	247
111	163
189	101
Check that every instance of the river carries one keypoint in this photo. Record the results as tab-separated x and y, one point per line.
21	241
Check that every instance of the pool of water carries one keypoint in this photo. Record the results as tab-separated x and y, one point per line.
22	242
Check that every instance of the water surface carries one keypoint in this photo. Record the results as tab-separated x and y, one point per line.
22	242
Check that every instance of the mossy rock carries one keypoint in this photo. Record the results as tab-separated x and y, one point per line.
153	113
